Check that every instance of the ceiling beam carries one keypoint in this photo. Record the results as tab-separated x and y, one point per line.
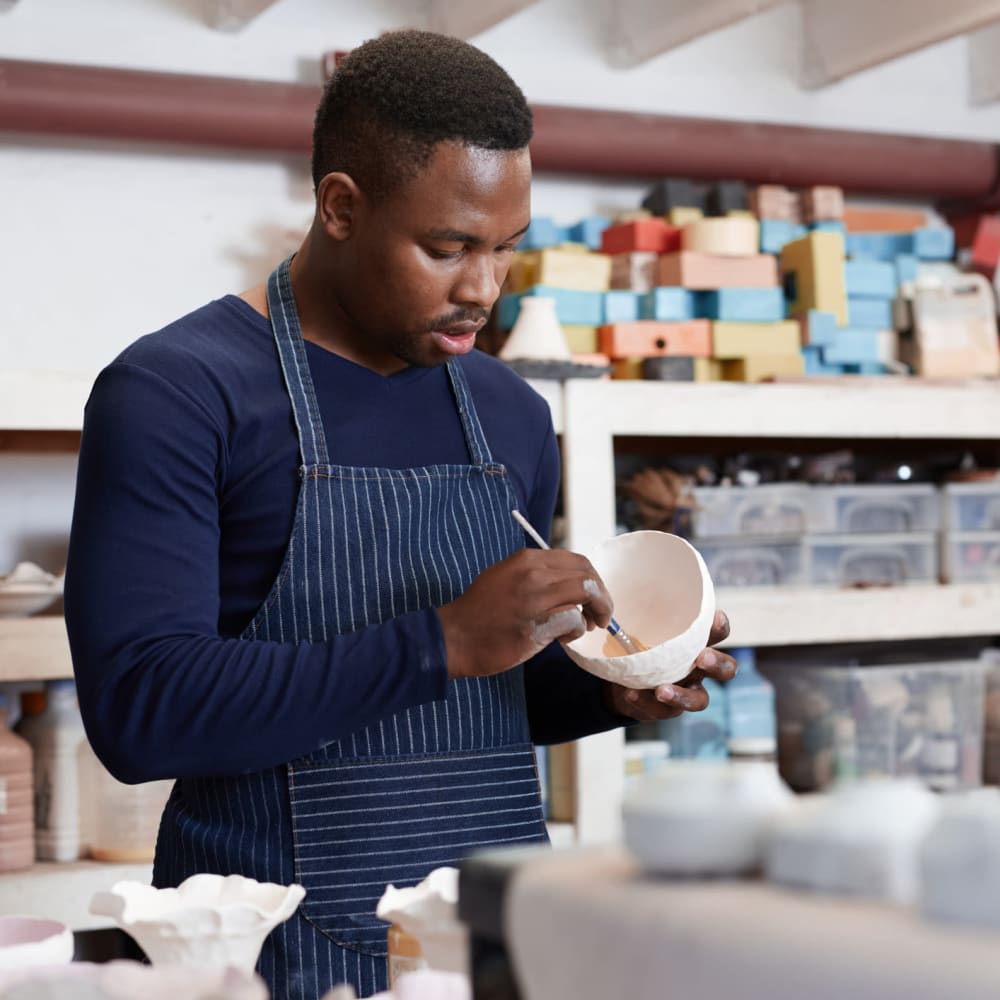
232	15
465	20
843	37
984	65
638	30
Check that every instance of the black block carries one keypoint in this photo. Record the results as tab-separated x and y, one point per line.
726	197
668	368
673	192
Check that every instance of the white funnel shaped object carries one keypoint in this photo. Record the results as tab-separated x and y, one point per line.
536	334
664	599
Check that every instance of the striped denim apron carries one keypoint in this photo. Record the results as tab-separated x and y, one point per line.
415	791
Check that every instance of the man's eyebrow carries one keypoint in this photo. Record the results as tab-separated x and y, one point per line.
456	236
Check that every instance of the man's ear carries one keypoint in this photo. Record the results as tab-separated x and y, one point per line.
337	201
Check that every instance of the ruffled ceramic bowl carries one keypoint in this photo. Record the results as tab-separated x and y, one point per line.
124	980
208	920
32	941
663	597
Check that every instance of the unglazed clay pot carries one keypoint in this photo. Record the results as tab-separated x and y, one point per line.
664	598
704	817
208	920
33	941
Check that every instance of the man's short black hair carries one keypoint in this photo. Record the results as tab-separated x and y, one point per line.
394	98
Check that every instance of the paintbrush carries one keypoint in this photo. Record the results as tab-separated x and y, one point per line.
627	643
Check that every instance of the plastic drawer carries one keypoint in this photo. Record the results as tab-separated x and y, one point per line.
874	509
736	511
753	563
972	506
871	560
971	557
922	719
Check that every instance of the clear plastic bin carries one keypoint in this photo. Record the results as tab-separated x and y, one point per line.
921	719
874	509
971	558
753	563
871	560
738	511
972	506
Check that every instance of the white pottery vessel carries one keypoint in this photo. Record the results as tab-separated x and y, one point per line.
695	817
960	861
208	920
861	839
124	980
537	333
663	597
34	941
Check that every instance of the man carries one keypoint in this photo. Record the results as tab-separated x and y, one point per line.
294	582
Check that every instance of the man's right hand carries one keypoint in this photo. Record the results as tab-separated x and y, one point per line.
517	607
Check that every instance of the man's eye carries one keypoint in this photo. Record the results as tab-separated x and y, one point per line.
446	254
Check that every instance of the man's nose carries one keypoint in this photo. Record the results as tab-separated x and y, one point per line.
479	284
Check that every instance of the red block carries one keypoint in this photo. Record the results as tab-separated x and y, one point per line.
986	246
642	234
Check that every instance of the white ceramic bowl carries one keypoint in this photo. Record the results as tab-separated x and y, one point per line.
663	597
31	941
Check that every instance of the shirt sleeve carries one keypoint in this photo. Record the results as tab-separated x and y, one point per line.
564	702
162	693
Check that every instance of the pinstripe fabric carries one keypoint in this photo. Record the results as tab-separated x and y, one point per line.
417	790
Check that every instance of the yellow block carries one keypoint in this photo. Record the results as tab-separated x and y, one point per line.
746	340
581	339
707	370
634	215
813	270
572	247
724	236
588	272
521	274
763	367
627	368
683	216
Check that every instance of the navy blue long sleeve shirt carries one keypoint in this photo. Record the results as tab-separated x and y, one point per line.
186	492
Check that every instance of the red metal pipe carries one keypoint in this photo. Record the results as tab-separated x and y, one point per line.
96	102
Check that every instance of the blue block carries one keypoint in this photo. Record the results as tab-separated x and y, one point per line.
667	304
880	246
742	305
543	232
873	279
815	365
872	313
853	346
775	233
589	231
621	306
573	307
866	368
829	226
822	328
934	243
906	268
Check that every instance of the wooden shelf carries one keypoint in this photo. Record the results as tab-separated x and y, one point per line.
44	400
34	649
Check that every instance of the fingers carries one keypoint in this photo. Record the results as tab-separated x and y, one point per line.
720	628
563	625
715	664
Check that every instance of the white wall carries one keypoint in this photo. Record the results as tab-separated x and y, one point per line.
102	242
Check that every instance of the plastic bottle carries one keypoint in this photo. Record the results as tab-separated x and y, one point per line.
17	831
127	817
55	735
752	726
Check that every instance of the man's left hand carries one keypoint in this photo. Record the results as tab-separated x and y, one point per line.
688	695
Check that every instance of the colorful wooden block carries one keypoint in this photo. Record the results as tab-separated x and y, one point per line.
868	368
763	368
648	338
934	243
621	306
651	235
588	231
746	305
562	268
812	358
775	233
704	272
707	370
745	340
878	246
773	201
853	346
874	279
633	215
581	339
674	192
985	254
874	314
668	304
883	220
521	273
636	271
542	232
905	266
731	236
813	270
668	369
817	328
573	307
822	203
626	368
681	217
725	197
828	226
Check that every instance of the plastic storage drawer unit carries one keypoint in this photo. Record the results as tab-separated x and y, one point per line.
753	562
738	511
874	509
972	506
921	719
871	560
971	558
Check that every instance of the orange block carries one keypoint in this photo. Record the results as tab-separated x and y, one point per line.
643	234
647	338
883	220
690	269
